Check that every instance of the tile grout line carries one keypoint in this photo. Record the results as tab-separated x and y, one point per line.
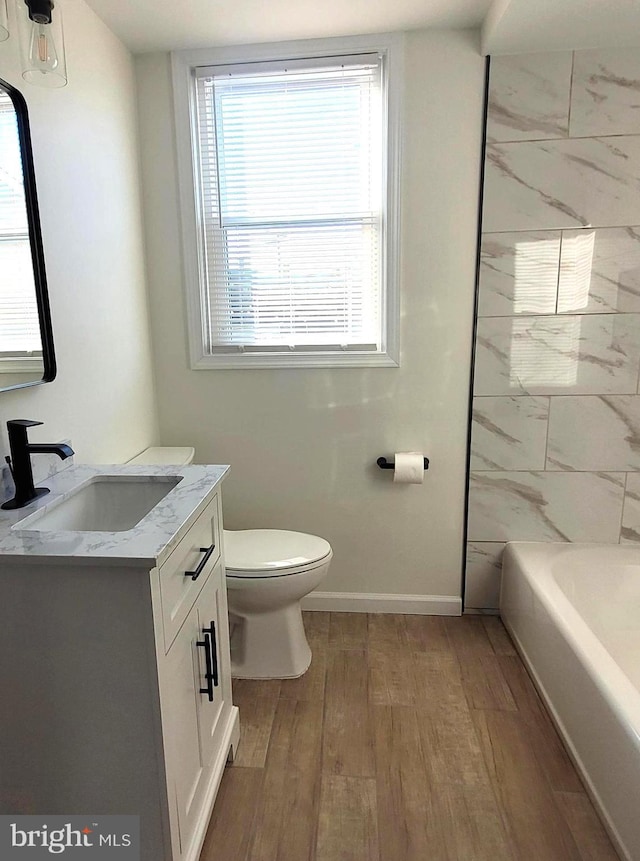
562	315
548	433
577	227
560	471
573	64
559	271
622	507
558	140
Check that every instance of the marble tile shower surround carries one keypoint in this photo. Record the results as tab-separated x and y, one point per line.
615	445
630	531
605	97
484	560
546	506
559	354
584	182
556	95
509	433
555	446
529	97
565	271
600	271
519	273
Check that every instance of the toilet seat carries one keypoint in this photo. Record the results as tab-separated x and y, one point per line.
258	553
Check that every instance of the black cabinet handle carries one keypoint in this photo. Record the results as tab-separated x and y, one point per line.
211	633
206	645
207	555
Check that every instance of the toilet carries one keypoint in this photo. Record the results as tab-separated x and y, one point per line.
268	572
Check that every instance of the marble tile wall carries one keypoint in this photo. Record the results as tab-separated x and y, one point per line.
555	446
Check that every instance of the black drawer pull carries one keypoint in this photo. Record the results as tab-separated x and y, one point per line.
211	632
206	645
207	555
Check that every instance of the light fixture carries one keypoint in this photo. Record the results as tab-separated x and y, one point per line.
4	23
42	43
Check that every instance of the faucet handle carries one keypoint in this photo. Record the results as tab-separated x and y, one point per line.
22	423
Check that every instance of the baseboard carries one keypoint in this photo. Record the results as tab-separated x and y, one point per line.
369	602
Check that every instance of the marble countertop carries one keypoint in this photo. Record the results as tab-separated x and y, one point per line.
149	542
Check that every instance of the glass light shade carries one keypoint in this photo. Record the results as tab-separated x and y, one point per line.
42	47
4	23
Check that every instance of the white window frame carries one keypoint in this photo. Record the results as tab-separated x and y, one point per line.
391	46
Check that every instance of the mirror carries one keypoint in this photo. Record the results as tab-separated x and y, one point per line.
26	340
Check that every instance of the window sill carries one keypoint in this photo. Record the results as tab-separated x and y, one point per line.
294	360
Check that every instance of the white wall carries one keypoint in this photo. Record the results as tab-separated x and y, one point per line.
86	161
303	443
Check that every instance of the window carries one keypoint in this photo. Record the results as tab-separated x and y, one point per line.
287	209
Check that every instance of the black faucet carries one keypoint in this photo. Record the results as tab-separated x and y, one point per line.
20	461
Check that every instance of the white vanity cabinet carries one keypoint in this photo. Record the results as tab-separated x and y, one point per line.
115	686
194	675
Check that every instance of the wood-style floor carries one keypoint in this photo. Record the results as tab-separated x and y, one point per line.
410	738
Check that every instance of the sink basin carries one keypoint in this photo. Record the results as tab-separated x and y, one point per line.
106	503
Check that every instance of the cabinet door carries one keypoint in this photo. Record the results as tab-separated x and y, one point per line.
181	706
195	702
210	607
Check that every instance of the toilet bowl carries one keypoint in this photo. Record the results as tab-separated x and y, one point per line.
268	572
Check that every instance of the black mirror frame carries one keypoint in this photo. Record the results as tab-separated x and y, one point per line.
35	239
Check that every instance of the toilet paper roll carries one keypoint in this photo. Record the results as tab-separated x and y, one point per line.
409	467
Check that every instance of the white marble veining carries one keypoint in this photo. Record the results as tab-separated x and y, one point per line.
509	433
605	94
150	541
600	271
594	433
630	531
519	273
483	573
544	185
529	96
545	506
590	354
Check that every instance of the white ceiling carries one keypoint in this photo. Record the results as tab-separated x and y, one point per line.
153	25
510	26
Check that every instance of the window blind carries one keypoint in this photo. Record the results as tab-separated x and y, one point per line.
19	325
291	170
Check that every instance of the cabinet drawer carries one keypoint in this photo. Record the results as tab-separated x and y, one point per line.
178	589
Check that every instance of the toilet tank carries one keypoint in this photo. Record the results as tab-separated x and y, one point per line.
165	456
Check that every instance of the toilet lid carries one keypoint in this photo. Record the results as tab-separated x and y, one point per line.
252	551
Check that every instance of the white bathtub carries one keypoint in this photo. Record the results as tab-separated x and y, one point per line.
573	610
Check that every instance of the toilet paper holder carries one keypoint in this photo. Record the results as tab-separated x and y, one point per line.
383	463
